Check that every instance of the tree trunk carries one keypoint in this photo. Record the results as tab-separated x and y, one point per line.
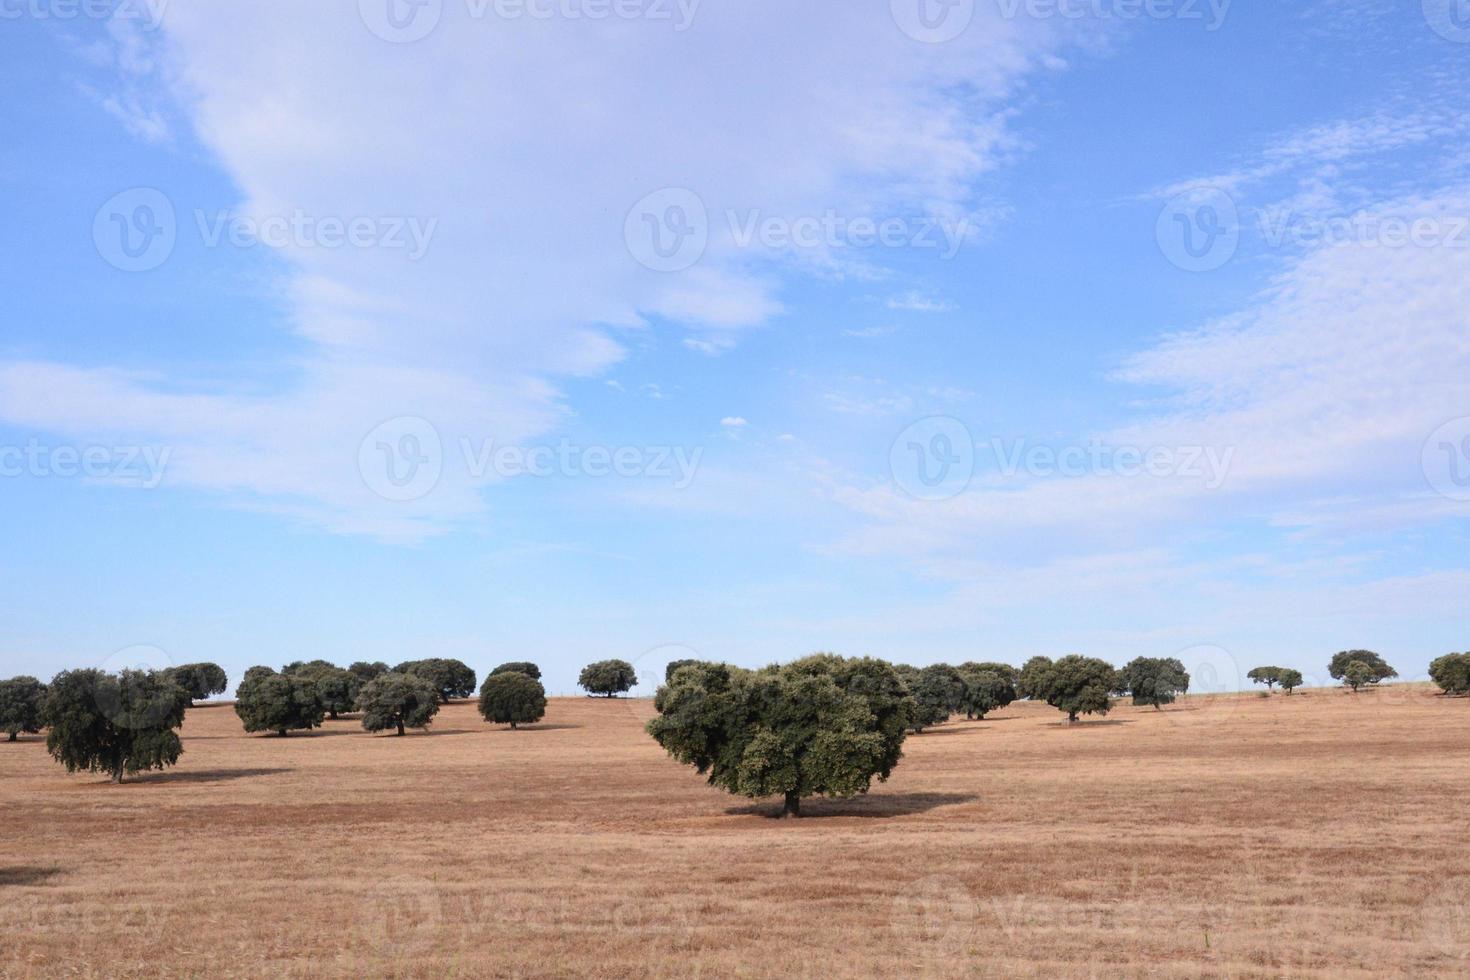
13	736
1072	718
332	715
793	806
400	729
283	733
117	773
512	726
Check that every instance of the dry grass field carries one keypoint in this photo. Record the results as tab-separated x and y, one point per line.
1321	835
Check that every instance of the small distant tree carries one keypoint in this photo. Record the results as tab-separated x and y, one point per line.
451	678
114	723
22	700
1452	673
202	681
397	701
1031	681
1358	674
270	702
986	690
1077	685
512	699
820	726
518	667
673	666
938	693
1290	679
608	678
365	671
1154	681
1378	668
1270	676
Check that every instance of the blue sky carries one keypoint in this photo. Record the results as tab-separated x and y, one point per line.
386	271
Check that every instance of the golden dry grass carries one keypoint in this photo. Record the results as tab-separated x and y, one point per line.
1313	836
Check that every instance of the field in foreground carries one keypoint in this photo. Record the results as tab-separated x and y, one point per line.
1321	835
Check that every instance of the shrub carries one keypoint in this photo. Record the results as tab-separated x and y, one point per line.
22	700
1378	669
1076	685
512	699
673	666
518	667
1270	676
451	678
1153	681
1452	673
114	723
397	700
202	681
608	677
823	725
1290	679
280	703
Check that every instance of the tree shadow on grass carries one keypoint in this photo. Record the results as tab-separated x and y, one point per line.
22	876
545	728
199	776
1093	723
879	806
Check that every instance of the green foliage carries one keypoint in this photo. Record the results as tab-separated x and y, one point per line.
1452	673
513	699
608	677
365	671
397	701
1029	683
987	688
1290	679
114	723
22	700
518	667
1152	680
823	725
1378	669
1075	685
202	681
1270	676
270	702
336	689
675	665
938	692
451	678
1358	674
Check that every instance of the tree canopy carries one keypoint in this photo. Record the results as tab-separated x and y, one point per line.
1378	668
366	671
608	677
1452	673
1029	680
202	681
451	678
1153	681
673	666
1270	676
1074	684
823	725
985	689
518	667
938	692
1358	674
282	703
114	723
397	701
513	699
22	700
